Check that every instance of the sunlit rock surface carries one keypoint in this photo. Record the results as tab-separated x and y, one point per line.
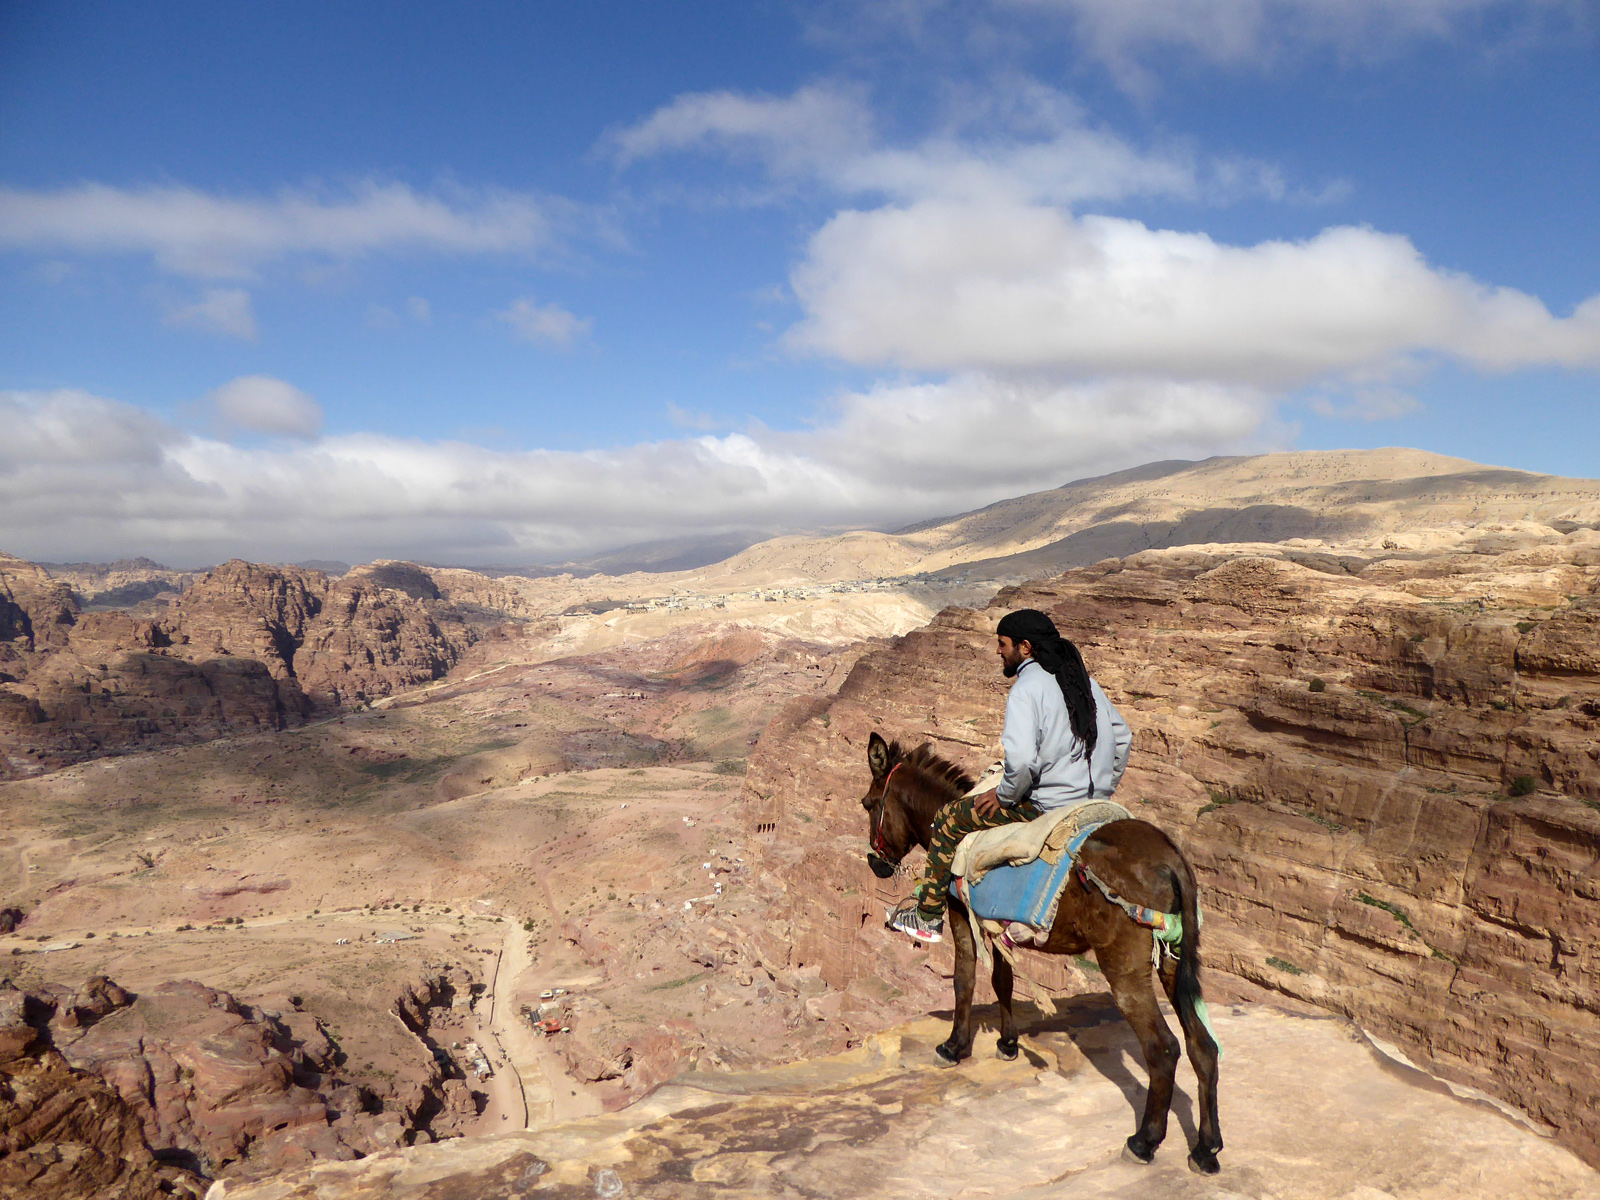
1385	767
1309	1110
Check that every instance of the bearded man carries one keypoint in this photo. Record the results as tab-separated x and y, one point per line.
1064	743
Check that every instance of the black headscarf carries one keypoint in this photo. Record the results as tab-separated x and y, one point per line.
1061	658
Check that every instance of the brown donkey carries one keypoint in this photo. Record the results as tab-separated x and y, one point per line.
1134	858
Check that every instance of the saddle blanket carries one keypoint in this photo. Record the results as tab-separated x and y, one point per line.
1027	891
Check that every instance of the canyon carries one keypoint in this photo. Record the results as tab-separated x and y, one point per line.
286	856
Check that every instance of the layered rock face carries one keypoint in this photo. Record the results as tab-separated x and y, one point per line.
112	1094
246	648
65	1132
1386	769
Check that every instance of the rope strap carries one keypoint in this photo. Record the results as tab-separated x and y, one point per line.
1167	927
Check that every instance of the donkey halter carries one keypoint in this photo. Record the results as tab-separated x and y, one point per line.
879	846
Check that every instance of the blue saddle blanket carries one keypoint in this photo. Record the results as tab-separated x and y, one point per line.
1025	893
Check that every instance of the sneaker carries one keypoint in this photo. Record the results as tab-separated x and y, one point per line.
908	919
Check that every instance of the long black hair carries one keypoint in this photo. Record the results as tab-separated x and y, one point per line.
1061	658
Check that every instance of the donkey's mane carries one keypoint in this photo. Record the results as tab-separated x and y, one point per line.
934	768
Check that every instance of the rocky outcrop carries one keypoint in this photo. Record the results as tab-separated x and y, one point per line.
64	1132
246	648
35	610
1387	777
196	1080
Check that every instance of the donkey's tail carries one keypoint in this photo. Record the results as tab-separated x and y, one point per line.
1186	995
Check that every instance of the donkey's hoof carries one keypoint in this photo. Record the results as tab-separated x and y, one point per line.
1135	1151
949	1053
1006	1048
1203	1161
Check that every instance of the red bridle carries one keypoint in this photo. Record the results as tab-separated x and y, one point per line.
876	830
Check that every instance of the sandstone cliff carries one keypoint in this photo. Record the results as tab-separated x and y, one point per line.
248	647
1386	769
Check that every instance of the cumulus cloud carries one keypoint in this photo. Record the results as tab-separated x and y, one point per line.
262	404
196	233
84	476
1018	287
546	324
219	310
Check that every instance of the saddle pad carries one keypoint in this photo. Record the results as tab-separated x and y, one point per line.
1059	831
1025	893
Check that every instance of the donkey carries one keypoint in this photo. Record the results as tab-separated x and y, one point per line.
1143	866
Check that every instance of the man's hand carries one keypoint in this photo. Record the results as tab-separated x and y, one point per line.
987	804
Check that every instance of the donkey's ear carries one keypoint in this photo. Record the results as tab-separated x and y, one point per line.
877	755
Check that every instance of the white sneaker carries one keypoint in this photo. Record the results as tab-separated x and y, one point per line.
908	919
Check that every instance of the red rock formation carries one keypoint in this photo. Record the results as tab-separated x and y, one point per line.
190	1073
64	1132
35	610
247	648
1413	842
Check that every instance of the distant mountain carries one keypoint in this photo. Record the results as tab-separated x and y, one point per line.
1315	495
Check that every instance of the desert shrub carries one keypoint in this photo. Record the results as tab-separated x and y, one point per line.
1319	685
1522	785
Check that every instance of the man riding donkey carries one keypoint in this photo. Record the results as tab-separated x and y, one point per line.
1064	742
1083	876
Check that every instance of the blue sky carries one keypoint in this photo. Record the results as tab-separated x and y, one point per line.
513	282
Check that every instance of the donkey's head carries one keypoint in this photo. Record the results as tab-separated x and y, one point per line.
888	829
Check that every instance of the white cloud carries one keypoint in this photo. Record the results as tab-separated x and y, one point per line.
1016	287
190	232
419	310
219	310
86	477
1257	34
1014	137
548	324
802	132
262	404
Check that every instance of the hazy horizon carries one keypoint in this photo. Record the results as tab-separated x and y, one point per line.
532	284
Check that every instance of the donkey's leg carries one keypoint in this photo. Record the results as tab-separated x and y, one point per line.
1007	1048
1126	963
959	1045
1203	1058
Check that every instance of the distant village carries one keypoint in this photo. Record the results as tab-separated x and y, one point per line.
686	601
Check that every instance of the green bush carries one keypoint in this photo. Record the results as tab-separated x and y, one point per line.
1524	785
1319	685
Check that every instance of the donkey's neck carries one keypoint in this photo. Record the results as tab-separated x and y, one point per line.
922	805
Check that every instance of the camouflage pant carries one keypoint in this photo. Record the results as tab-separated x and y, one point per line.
953	822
